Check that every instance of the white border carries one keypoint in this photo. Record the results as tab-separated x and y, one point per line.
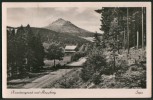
78	93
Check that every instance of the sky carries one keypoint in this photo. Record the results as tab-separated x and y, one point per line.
85	18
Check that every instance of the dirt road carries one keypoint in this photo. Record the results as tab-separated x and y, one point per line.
48	79
78	63
52	77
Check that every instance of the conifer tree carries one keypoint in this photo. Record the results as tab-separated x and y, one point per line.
39	53
11	66
21	49
35	52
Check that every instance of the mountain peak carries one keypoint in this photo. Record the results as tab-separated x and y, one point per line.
61	19
64	26
60	22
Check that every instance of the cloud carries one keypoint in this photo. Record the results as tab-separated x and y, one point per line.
85	18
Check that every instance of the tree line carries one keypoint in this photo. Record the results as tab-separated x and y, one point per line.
123	27
25	52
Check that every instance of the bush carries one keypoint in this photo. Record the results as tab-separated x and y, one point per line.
134	77
87	71
96	78
76	56
69	83
58	66
95	63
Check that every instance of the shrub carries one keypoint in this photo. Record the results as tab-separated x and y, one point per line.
134	68
95	63
133	77
96	78
58	66
87	71
76	56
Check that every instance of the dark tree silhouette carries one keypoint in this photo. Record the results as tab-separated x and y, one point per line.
55	51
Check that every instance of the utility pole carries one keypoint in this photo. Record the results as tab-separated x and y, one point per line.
137	39
128	28
124	39
142	30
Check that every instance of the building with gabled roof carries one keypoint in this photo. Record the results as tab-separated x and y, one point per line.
69	49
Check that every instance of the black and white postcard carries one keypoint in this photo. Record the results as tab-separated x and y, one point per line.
76	50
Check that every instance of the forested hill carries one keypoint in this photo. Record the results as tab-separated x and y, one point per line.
50	36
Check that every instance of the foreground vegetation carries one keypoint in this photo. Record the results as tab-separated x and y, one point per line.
118	60
99	72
